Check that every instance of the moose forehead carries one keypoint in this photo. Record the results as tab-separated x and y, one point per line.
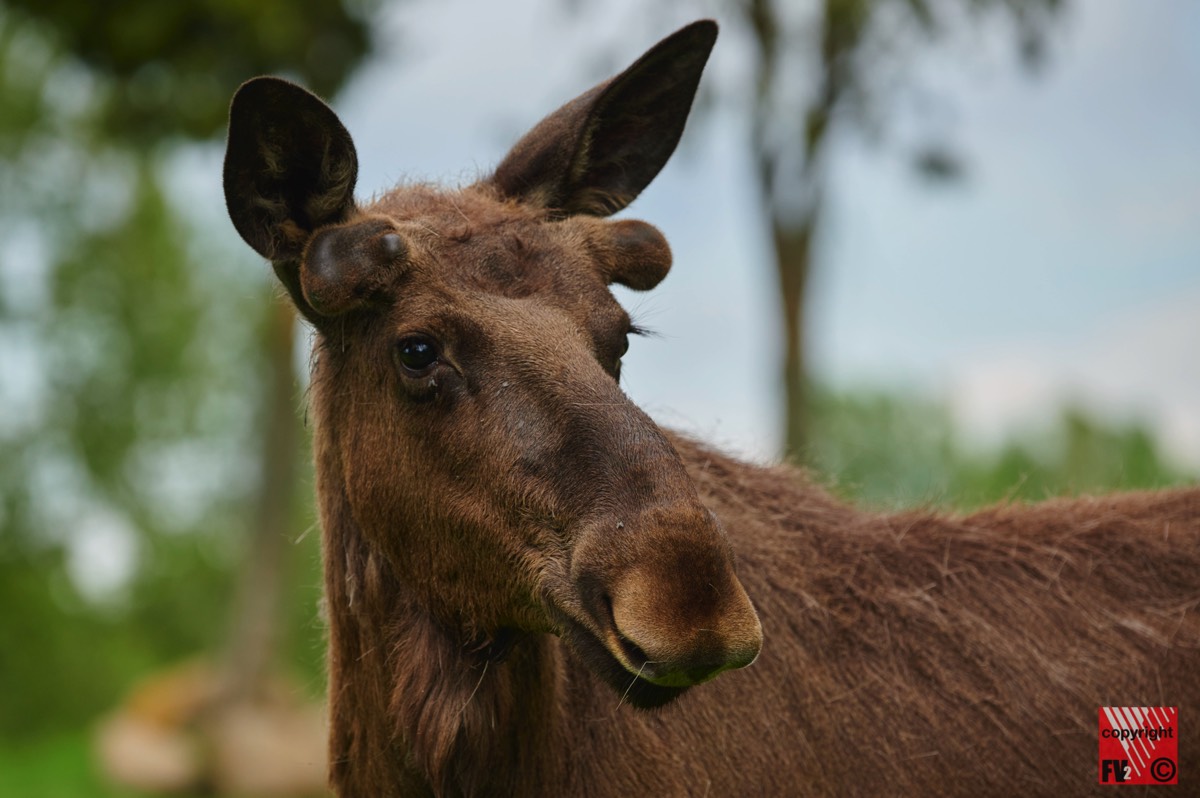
477	242
418	246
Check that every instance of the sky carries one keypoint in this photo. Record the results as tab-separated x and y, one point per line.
1064	267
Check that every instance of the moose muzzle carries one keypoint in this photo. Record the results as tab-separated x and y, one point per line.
666	599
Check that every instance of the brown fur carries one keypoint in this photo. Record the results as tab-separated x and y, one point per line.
528	581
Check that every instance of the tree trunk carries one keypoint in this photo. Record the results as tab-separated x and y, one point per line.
256	621
793	258
790	172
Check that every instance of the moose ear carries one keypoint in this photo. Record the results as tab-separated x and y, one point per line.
290	168
595	154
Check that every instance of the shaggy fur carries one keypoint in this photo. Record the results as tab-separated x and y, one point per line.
907	654
530	585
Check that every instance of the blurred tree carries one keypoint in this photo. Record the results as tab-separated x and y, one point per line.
147	382
823	68
168	69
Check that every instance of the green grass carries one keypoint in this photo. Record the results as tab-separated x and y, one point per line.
61	766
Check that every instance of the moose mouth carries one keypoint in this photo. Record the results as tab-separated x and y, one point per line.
632	687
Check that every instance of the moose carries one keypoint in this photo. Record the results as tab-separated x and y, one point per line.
533	589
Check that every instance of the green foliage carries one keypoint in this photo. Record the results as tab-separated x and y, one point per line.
72	658
131	344
889	451
55	767
169	68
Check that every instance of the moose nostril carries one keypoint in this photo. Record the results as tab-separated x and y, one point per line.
632	651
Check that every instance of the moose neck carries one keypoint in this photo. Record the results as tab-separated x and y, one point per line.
415	706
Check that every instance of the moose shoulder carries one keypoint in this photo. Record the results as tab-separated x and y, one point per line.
530	583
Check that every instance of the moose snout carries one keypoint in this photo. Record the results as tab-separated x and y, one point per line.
681	634
677	615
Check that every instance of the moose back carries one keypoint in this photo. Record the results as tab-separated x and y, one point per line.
535	590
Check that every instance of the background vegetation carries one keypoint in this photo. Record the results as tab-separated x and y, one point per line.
141	391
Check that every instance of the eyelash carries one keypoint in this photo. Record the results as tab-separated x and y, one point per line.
637	329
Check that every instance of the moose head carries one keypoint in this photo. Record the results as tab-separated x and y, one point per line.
470	425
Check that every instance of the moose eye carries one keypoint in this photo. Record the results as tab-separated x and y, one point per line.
416	354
